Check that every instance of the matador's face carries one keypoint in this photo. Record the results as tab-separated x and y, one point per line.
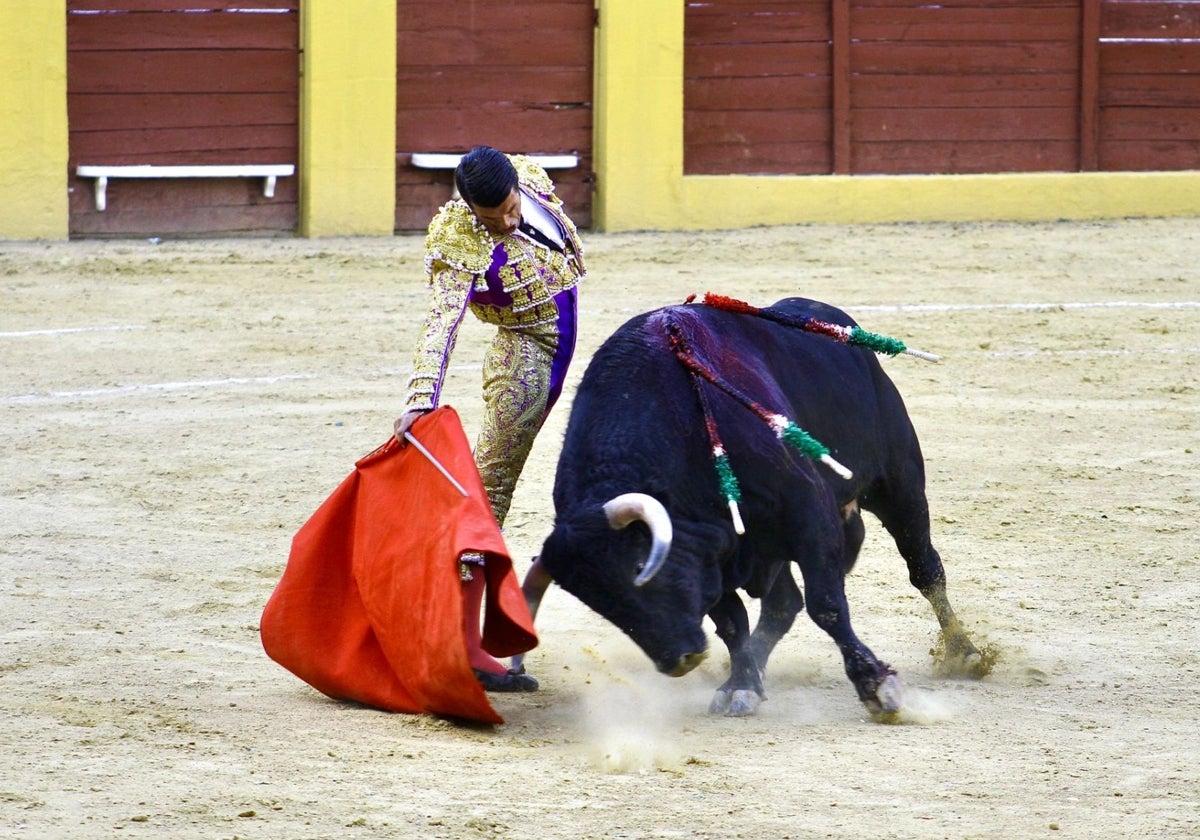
502	220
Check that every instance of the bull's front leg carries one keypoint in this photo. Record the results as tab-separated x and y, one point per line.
742	693
781	603
537	581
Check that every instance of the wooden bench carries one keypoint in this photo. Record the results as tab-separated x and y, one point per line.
449	160
445	160
268	172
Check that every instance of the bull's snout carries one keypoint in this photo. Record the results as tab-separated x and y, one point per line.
686	663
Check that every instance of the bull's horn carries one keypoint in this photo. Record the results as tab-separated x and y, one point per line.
638	506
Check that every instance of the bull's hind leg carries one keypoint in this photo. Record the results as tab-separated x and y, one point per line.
905	515
877	685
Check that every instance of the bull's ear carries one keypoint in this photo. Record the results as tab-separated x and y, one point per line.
705	539
660	491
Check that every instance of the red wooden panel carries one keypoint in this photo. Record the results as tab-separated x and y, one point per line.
1089	85
777	93
968	24
1150	98
419	192
707	60
486	55
83	7
1142	19
841	126
1149	155
757	93
1149	90
720	8
959	157
166	82
105	112
183	71
489	49
210	30
233	144
781	23
791	158
1151	124
514	74
746	128
565	17
965	124
1150	57
123	194
458	87
967	58
990	90
508	126
757	90
416	205
998	5
575	190
184	206
952	86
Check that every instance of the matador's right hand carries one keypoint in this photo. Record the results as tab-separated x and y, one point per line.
404	422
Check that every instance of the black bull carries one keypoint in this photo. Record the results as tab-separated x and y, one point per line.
637	439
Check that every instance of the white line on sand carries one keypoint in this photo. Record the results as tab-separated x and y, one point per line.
69	330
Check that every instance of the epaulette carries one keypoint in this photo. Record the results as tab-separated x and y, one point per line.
458	239
532	175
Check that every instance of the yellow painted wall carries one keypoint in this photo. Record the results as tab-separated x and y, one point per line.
348	118
638	114
741	201
33	120
639	161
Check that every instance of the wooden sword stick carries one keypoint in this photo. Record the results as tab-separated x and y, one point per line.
408	437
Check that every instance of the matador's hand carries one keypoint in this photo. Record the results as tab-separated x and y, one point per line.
404	422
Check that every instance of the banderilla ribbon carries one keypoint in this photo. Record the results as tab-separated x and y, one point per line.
857	336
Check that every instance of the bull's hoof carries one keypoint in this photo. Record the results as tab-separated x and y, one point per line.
955	657
969	667
740	703
887	700
743	703
964	663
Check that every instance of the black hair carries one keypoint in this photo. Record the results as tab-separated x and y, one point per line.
485	177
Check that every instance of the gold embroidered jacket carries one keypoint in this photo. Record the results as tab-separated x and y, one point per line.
508	281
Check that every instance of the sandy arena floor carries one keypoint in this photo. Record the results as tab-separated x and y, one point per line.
173	412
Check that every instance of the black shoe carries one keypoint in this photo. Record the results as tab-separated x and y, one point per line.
511	680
